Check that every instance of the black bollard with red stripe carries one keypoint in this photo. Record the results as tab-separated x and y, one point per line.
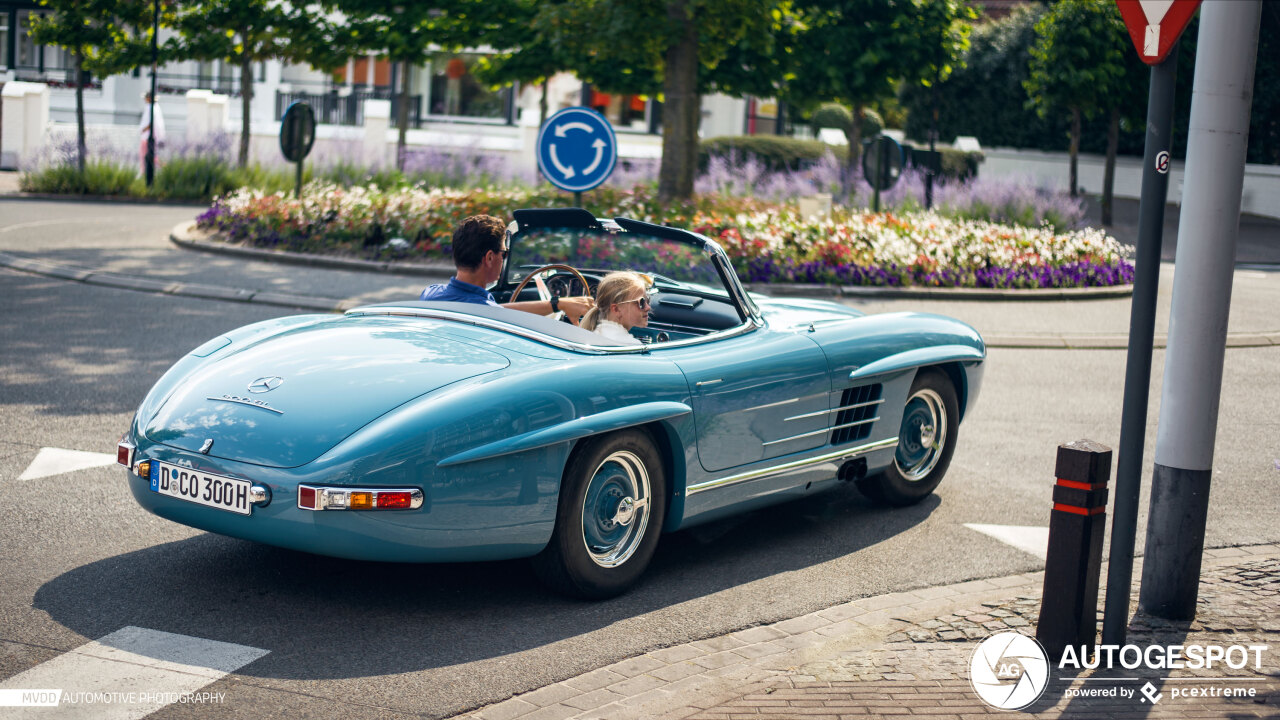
1069	608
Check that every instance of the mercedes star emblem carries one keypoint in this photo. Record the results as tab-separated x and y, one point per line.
265	384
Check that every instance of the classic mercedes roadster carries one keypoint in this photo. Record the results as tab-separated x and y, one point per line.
434	431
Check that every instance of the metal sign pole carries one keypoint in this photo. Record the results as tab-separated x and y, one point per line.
1216	148
1142	320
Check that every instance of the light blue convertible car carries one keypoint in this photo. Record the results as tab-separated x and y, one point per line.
432	432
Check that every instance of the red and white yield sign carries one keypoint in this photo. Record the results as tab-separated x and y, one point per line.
1155	25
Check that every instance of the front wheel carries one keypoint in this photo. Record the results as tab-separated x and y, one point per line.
926	441
613	500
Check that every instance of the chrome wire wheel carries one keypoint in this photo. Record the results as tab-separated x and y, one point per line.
615	509
923	435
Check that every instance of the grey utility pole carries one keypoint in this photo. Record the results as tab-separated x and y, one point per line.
1210	219
1142	324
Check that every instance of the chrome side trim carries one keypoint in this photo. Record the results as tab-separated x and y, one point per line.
832	410
844	454
819	432
243	401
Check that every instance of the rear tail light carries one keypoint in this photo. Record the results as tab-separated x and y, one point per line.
394	499
311	497
124	453
307	498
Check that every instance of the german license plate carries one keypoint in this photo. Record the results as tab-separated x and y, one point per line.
202	488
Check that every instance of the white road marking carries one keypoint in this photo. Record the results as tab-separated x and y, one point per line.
55	461
1034	540
128	674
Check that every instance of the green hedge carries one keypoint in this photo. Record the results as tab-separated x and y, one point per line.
775	151
785	153
956	164
100	177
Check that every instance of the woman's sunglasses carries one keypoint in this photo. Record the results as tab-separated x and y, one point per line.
642	301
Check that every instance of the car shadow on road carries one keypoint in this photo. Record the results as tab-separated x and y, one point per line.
325	618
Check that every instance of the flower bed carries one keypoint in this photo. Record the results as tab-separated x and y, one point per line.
767	242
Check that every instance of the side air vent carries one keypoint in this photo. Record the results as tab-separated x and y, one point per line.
858	411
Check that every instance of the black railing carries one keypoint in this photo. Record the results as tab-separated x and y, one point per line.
56	77
169	83
334	109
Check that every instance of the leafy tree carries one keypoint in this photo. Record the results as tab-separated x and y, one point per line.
1264	126
678	48
853	51
529	47
984	96
835	115
410	34
104	37
244	32
1079	63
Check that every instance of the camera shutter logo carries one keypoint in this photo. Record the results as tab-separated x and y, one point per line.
1009	671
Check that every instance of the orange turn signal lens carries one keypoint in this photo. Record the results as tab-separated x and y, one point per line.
143	469
360	500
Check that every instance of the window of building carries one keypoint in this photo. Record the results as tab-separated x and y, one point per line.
4	39
625	112
37	62
455	91
27	57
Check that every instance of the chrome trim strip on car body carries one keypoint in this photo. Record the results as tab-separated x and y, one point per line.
838	409
844	454
336	497
438	314
819	432
245	401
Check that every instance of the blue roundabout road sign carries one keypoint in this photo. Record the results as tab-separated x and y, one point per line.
577	149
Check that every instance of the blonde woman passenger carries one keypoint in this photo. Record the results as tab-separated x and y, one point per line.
622	302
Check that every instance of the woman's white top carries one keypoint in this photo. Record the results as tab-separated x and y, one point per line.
614	331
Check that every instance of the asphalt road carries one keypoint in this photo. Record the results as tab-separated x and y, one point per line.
81	560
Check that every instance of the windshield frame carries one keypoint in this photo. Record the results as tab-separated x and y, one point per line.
578	218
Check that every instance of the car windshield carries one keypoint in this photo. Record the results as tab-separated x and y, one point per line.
671	262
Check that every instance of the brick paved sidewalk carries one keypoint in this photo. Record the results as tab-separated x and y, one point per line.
908	654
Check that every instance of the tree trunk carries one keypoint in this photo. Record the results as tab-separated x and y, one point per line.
1109	175
402	115
1075	150
246	97
681	111
81	146
850	181
542	103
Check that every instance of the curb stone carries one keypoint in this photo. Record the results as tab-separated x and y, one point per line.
700	683
107	199
185	235
179	289
340	305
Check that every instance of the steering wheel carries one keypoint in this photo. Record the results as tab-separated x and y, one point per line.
553	266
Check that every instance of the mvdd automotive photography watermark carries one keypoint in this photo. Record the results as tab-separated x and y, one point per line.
1010	671
61	698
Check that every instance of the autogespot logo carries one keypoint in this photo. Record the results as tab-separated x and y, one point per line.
1009	671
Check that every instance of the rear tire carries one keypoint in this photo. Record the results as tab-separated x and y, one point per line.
926	441
613	500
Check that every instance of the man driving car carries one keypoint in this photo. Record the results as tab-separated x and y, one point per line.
479	248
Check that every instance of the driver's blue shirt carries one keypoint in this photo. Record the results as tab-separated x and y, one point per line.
458	291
